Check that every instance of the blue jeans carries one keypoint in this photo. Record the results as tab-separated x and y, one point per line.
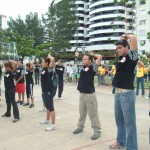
126	119
138	80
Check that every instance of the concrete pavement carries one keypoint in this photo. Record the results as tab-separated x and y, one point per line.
29	134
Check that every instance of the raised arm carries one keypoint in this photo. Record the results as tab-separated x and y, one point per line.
132	40
52	59
98	58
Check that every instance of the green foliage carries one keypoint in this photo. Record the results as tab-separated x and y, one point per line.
148	36
60	23
26	34
142	2
144	59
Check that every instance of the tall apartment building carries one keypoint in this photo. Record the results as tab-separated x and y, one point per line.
101	22
143	25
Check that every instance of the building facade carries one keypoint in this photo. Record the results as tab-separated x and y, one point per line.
3	21
100	24
143	25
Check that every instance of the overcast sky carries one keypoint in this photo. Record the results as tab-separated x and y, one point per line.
22	7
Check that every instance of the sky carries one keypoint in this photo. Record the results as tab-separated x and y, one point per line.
13	8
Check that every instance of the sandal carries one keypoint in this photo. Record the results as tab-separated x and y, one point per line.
116	146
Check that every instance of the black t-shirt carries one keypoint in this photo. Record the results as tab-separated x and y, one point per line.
60	71
9	80
86	80
37	68
19	71
46	80
124	76
29	78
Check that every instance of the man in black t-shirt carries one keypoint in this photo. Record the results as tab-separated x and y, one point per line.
59	69
37	73
88	102
124	93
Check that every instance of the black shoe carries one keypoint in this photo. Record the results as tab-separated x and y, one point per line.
21	102
15	120
31	106
6	115
26	104
77	131
18	102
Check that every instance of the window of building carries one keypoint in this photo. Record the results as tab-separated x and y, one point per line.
142	32
142	22
142	2
142	42
142	12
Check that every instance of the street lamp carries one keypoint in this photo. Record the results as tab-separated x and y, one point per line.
77	53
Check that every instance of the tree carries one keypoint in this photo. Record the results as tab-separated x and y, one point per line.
60	22
26	34
148	36
34	28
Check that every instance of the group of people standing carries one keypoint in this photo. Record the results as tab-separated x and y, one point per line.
19	80
123	89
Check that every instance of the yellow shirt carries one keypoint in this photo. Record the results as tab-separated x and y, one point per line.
99	68
140	72
145	70
113	70
102	71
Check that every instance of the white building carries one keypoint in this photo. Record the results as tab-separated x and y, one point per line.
3	21
143	26
101	22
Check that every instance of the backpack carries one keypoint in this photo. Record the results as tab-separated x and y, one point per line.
55	79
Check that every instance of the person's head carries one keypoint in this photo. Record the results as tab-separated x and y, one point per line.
28	66
140	64
87	60
8	66
59	62
45	63
122	47
19	63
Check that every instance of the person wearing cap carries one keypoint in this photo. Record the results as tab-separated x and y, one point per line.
125	98
59	69
10	92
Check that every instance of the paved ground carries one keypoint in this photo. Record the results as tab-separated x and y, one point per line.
28	134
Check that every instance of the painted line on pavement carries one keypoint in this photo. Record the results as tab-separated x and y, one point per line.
93	144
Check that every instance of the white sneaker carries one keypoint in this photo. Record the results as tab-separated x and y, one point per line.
44	122
59	98
50	128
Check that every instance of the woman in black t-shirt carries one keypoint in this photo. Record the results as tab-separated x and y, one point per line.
10	92
47	90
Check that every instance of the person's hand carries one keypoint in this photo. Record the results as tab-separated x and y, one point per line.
91	53
16	82
124	36
49	55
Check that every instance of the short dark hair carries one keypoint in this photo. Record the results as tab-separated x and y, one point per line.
47	60
123	42
9	64
60	60
28	65
90	57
